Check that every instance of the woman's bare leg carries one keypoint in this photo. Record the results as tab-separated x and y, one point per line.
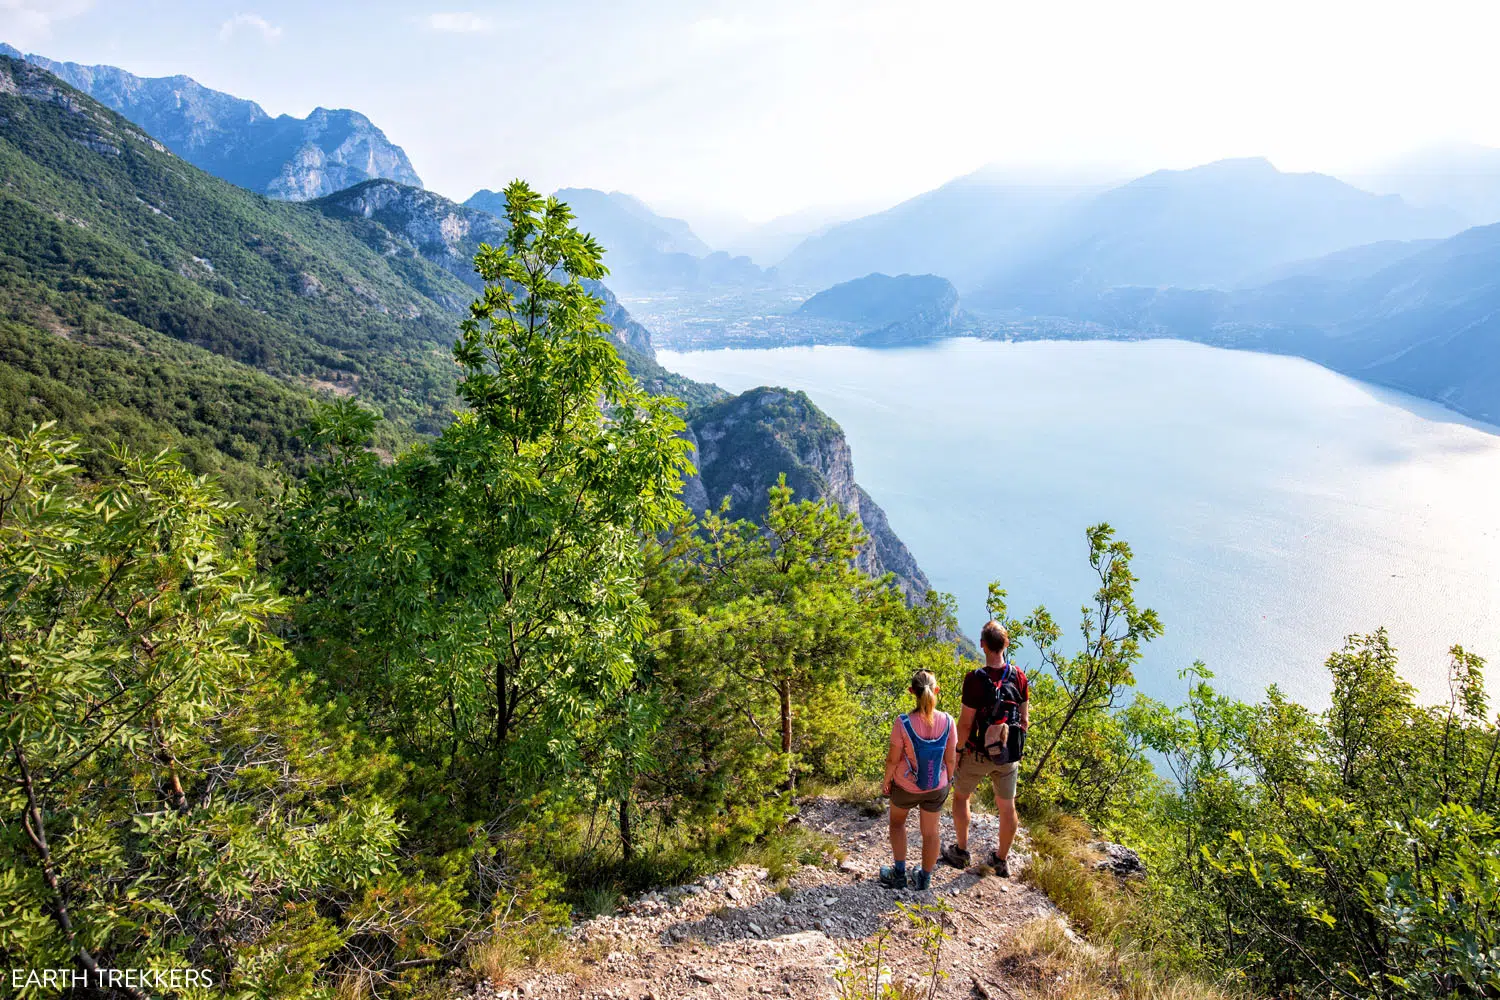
928	821
898	834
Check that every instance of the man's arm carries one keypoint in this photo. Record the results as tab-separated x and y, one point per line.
1026	711
965	724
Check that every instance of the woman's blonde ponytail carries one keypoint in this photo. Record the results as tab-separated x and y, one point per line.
924	687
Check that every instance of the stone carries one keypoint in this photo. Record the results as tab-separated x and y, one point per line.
733	893
1119	860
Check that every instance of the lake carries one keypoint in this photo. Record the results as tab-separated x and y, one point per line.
1273	506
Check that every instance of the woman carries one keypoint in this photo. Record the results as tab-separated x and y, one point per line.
922	756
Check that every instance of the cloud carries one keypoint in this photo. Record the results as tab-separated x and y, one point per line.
27	21
246	22
459	23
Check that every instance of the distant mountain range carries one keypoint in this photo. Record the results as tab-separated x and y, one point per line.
1212	226
1462	177
1422	317
891	311
646	253
283	157
964	231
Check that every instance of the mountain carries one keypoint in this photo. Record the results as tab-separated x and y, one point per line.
1461	177
392	218
142	295
768	242
745	442
906	309
1427	323
646	253
1211	226
1341	265
283	157
143	301
963	230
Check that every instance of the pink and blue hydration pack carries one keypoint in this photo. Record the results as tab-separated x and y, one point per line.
927	769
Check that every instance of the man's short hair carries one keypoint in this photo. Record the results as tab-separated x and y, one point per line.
994	637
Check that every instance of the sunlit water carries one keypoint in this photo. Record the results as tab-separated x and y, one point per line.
1273	506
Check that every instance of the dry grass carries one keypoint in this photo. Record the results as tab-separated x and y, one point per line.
1053	963
1060	867
1106	958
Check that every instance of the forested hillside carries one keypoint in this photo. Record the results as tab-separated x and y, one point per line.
150	302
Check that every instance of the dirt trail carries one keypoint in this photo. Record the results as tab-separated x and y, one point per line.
735	934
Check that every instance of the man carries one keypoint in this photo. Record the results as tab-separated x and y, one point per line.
991	693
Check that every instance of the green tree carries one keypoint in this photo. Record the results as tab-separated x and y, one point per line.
1076	729
169	798
481	592
781	609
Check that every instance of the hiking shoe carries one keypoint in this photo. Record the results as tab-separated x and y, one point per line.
1002	870
920	880
956	856
891	878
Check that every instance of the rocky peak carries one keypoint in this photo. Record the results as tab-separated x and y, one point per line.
283	157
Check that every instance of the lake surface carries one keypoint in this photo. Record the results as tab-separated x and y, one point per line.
1274	506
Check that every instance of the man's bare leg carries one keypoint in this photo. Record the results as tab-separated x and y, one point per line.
1007	810
961	820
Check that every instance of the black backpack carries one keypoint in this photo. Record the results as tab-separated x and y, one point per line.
997	735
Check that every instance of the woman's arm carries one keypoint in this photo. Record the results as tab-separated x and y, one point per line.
950	752
892	762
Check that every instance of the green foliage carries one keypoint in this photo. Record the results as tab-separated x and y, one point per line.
172	799
481	591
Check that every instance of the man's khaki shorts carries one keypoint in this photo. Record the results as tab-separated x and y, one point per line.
973	768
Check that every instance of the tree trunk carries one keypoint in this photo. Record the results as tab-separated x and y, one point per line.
627	837
34	826
502	719
786	734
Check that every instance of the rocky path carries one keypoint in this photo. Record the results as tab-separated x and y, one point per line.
737	935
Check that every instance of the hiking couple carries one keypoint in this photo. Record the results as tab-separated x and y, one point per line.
927	746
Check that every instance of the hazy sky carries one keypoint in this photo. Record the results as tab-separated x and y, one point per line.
768	108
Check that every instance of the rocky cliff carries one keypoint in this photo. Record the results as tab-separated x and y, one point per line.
449	234
283	157
745	442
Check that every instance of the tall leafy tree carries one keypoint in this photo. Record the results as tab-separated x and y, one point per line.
482	592
167	797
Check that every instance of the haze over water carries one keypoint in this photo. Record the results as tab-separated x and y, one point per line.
1273	506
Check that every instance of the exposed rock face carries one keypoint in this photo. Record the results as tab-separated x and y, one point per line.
449	234
1118	860
283	157
747	441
